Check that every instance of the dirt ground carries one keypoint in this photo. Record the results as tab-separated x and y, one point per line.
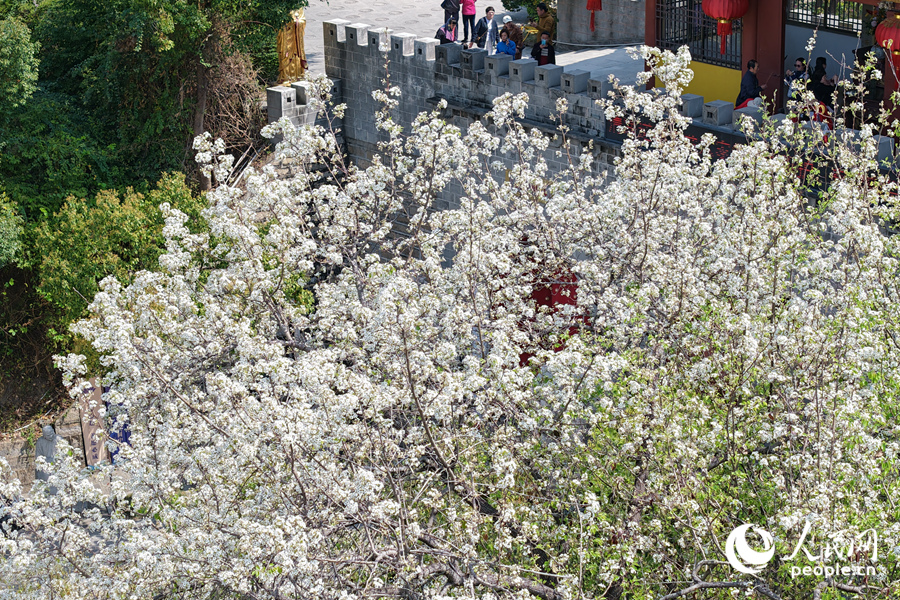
30	388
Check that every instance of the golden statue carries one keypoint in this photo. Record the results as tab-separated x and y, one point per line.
291	54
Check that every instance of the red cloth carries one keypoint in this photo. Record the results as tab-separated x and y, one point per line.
593	5
743	104
823	115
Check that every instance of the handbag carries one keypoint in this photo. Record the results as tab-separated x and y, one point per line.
480	39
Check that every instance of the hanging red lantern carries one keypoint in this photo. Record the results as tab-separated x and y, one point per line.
887	35
724	12
592	6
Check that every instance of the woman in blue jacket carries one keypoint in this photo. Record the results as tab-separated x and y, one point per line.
506	45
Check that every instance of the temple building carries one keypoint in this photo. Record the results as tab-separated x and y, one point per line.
774	32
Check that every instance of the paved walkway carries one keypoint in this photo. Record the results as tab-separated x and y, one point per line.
600	63
421	17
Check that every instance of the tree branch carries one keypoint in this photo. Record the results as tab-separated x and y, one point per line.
700	584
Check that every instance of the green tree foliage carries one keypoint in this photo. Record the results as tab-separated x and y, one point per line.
116	234
10	231
124	87
97	97
529	5
67	255
52	151
18	63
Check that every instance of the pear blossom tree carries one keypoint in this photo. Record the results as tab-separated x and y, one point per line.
323	408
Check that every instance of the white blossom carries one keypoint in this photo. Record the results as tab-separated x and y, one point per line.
339	391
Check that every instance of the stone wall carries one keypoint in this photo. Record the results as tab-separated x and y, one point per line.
19	451
359	59
620	22
364	59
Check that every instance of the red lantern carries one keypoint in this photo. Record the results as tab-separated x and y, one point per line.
887	35
724	12
592	6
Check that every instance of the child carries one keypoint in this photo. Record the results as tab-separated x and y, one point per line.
544	52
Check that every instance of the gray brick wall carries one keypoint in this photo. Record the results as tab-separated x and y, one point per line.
360	59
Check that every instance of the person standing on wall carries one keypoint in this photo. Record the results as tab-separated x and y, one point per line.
451	10
545	22
468	16
515	35
544	52
486	33
750	88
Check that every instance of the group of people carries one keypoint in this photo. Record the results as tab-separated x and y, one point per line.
508	39
821	84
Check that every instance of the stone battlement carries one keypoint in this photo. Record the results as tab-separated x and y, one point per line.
360	59
361	56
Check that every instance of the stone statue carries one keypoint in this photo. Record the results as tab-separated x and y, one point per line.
46	447
291	54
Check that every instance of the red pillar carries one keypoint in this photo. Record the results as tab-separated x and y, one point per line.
650	31
763	39
650	23
748	36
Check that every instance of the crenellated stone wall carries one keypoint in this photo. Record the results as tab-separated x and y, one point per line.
360	59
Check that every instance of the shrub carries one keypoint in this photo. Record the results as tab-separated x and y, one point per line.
114	234
18	64
10	231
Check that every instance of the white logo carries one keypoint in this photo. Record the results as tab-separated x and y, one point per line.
842	553
737	542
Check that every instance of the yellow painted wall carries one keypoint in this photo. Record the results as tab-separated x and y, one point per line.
713	83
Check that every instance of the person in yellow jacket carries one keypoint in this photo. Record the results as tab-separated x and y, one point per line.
291	54
545	22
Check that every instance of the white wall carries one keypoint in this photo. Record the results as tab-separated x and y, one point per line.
835	47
